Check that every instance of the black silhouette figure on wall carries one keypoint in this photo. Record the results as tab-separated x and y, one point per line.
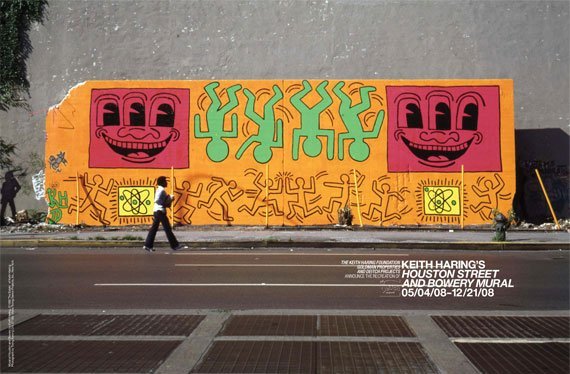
10	188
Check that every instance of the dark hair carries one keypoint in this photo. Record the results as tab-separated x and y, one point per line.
161	181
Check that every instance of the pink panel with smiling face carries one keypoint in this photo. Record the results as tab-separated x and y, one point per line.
139	128
438	129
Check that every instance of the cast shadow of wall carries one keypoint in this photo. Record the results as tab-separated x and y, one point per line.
548	151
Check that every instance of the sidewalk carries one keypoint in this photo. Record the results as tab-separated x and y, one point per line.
248	237
288	341
412	343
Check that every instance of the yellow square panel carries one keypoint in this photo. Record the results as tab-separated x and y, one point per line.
136	201
442	200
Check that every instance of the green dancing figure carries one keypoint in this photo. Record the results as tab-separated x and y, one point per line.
310	121
358	149
268	128
217	148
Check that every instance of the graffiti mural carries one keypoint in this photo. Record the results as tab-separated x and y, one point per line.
130	199
442	128
488	190
310	136
91	198
58	201
221	194
270	131
217	148
440	201
283	152
265	196
390	204
136	201
346	193
39	184
359	150
139	128
302	197
56	161
184	206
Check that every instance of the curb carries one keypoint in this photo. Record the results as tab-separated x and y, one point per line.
256	244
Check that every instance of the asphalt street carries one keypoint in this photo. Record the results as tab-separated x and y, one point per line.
50	278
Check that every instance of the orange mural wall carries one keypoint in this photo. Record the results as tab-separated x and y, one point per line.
283	152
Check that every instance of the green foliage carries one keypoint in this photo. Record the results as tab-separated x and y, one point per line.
33	163
132	237
36	161
345	216
36	216
501	224
127	237
16	17
7	151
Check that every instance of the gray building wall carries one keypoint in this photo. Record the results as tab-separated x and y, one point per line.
527	41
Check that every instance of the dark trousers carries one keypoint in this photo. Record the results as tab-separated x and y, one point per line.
3	209
160	217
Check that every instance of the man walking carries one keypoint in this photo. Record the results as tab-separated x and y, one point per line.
162	200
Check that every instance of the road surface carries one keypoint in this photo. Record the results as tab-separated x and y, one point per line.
50	278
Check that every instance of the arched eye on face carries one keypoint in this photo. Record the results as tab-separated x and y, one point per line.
470	117
165	116
136	114
163	110
111	114
107	110
135	109
468	114
409	111
442	117
439	110
414	116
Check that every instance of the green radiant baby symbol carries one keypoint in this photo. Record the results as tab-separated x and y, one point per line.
217	148
359	150
270	132
310	129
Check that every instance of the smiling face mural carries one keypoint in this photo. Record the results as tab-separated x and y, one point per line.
442	128
146	128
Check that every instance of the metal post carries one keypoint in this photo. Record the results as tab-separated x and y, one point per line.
357	198
461	196
172	193
547	199
266	195
77	195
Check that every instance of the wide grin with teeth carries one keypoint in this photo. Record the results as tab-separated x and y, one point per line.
136	149
437	153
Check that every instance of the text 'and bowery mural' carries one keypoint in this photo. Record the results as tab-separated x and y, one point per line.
283	152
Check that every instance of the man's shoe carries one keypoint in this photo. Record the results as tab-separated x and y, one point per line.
180	246
148	249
